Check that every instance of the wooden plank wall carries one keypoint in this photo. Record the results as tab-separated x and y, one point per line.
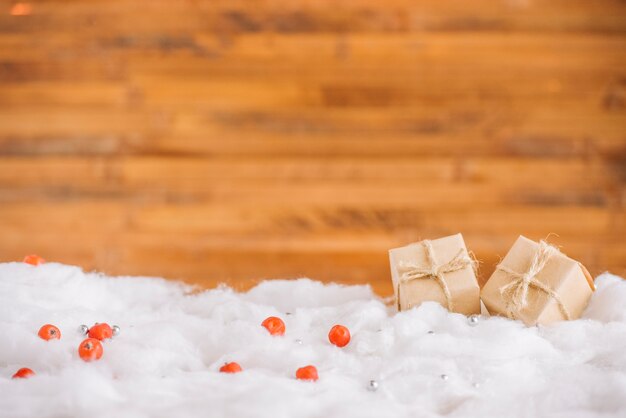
230	141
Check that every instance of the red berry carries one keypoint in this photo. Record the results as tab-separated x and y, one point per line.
23	373
49	332
274	325
339	335
101	331
307	373
90	349
33	259
231	368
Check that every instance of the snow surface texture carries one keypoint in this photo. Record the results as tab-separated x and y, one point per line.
173	340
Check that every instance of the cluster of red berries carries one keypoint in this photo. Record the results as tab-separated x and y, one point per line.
338	335
91	348
88	350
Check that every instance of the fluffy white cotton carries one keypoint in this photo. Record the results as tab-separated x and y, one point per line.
173	340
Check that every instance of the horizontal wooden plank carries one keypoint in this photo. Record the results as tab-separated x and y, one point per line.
564	131
343	194
312	16
272	224
64	93
200	175
370	144
323	227
543	63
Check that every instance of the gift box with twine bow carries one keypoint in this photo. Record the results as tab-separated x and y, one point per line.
439	270
537	284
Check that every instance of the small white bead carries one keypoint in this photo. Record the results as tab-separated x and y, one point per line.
116	330
83	329
298	341
473	320
444	377
372	386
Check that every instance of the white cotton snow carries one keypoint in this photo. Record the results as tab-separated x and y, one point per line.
173	340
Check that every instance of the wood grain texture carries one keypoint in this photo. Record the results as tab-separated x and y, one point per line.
232	141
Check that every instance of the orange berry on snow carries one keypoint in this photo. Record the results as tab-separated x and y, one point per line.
49	332
23	373
33	259
274	325
307	373
90	349
339	335
101	331
231	368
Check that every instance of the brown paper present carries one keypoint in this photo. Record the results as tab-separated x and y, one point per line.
439	270
537	284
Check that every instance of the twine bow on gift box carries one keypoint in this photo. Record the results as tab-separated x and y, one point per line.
515	293
410	271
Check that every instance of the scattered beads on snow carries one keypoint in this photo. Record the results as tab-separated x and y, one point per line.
91	348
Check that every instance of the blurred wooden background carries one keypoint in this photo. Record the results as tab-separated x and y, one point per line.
239	140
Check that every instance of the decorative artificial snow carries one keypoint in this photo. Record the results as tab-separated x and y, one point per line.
173	340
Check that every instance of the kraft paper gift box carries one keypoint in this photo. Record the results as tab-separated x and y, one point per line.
439	270
537	284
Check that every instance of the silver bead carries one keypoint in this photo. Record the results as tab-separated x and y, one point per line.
298	341
372	386
473	320
116	330
431	332
444	377
83	329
